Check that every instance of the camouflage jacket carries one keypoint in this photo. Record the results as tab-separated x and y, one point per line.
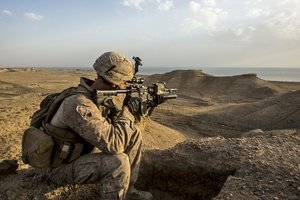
81	114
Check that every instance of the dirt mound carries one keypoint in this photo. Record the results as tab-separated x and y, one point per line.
157	136
198	85
239	168
278	112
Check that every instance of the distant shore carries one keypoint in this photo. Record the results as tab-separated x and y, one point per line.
271	74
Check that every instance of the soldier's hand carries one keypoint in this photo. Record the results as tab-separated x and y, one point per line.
133	103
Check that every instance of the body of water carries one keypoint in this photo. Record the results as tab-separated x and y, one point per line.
273	74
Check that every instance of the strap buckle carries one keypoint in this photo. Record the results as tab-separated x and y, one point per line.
64	151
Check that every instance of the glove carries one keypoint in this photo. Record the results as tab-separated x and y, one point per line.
134	106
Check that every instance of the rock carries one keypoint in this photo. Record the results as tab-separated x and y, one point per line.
8	167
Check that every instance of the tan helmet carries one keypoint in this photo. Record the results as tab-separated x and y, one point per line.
114	68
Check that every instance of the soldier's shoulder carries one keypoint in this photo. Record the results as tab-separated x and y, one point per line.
78	99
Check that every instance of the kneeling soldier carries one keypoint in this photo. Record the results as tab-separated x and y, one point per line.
82	122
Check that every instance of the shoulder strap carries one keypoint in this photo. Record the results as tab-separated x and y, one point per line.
61	97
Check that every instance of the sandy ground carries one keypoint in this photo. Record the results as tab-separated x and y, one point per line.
221	161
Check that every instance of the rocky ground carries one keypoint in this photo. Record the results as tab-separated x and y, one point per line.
189	151
262	167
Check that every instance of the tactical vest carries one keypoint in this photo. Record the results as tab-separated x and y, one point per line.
45	145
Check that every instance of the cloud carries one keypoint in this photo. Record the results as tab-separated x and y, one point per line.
194	6
258	12
278	18
142	4
285	25
7	13
134	3
165	6
33	16
243	33
206	16
210	3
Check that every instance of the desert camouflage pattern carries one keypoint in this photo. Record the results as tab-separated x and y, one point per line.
114	68
120	143
110	172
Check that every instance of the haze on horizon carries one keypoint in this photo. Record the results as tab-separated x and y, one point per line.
164	33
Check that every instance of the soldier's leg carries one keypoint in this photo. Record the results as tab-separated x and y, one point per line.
134	152
111	172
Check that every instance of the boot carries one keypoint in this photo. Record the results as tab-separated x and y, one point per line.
134	194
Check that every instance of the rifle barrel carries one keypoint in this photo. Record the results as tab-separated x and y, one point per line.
171	96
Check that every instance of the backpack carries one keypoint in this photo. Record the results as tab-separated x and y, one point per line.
44	145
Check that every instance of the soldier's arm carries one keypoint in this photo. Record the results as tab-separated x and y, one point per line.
83	117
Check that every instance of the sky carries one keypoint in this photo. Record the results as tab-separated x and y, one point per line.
163	33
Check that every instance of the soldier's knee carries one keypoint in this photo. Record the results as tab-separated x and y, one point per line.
121	162
115	182
119	174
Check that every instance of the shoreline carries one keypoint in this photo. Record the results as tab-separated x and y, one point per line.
208	71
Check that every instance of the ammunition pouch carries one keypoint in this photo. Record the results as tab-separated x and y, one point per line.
68	145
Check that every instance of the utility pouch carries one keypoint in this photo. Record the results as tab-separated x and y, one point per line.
37	148
68	146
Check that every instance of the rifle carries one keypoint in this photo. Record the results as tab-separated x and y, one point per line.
149	97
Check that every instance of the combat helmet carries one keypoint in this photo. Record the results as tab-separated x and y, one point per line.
114	68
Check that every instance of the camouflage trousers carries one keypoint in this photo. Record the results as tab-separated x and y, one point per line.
113	173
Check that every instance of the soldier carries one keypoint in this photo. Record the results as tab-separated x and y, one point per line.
115	169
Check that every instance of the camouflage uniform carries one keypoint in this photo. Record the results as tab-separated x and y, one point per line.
117	165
